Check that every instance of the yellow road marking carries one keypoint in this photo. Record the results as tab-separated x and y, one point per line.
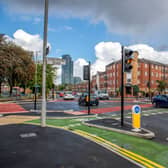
130	154
140	159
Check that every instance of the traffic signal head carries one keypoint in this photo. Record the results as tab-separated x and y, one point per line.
128	58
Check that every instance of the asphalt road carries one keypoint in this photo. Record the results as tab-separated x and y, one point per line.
28	146
156	123
73	105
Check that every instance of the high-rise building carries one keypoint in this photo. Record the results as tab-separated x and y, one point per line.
67	70
77	80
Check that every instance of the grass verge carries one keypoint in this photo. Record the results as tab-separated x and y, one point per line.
147	148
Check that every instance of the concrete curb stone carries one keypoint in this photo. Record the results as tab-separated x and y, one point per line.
148	135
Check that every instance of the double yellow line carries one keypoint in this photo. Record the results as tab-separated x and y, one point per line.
144	161
124	152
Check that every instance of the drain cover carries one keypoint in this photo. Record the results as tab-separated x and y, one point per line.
28	135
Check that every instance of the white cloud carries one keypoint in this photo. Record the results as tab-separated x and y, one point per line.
57	81
140	19
78	67
147	52
68	27
28	41
107	52
51	29
36	20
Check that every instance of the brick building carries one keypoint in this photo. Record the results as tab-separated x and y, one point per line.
144	75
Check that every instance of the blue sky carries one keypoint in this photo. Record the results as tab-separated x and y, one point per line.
90	30
74	36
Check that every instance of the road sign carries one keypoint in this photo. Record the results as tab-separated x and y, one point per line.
55	61
136	117
86	72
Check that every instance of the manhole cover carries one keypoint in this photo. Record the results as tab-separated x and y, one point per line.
167	139
28	135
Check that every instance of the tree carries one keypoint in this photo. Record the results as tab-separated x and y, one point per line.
62	86
16	66
135	90
161	85
50	74
2	68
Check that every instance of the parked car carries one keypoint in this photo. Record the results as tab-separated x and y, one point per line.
68	96
160	100
103	96
83	99
61	94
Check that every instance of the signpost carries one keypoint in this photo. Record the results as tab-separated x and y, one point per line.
55	61
136	118
122	86
86	76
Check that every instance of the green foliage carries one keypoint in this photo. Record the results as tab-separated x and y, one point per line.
16	65
161	85
49	77
135	90
62	87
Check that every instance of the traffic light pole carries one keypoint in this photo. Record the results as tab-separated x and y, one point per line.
89	91
122	85
35	89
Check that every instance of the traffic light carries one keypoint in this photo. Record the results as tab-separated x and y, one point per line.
47	50
128	58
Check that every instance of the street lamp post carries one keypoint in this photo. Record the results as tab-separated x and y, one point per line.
43	112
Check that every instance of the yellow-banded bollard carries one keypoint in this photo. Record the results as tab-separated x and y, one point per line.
136	118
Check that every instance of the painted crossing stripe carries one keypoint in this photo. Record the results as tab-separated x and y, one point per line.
112	109
11	108
73	112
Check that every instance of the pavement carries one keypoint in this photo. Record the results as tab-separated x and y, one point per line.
25	146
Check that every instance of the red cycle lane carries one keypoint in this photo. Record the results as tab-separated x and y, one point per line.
112	109
11	108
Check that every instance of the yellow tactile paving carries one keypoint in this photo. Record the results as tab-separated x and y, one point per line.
15	119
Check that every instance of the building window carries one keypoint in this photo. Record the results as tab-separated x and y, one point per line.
152	73
156	67
146	65
139	73
146	73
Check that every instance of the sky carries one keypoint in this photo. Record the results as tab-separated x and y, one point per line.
89	30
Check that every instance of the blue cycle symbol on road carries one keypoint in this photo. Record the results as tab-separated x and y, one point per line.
137	109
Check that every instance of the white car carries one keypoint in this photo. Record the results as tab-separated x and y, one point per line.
103	96
68	97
